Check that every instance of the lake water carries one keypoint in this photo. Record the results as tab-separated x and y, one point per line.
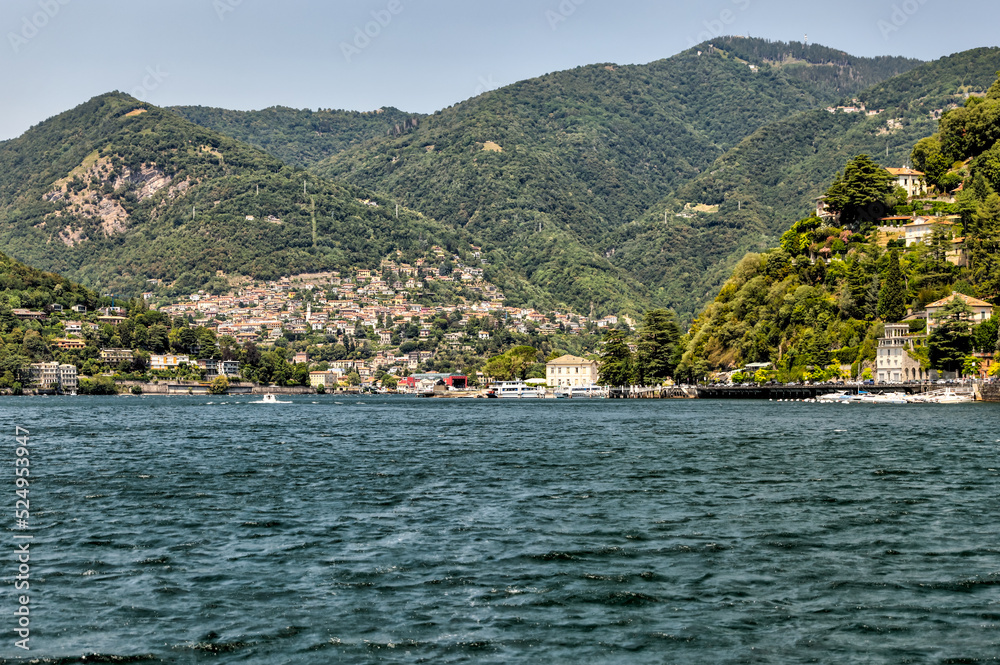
352	530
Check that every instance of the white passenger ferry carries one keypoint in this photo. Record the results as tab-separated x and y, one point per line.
517	389
590	392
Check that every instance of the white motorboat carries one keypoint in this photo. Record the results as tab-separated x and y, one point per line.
951	397
942	396
839	396
884	398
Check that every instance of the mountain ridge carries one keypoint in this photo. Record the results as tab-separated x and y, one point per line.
561	178
117	192
578	153
771	177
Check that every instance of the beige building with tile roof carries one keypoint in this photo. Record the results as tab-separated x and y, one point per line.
981	310
569	370
909	179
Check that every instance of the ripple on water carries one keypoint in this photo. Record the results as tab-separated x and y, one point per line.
443	531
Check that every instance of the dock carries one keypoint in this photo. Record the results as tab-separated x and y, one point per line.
766	392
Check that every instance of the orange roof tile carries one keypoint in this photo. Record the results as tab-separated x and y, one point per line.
969	300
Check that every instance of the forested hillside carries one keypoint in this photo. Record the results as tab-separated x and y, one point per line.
117	192
684	252
605	189
544	171
822	296
300	137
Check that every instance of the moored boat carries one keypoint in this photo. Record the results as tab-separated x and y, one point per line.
517	389
942	396
883	398
590	392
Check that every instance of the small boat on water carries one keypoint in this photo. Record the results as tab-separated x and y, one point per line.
269	399
839	396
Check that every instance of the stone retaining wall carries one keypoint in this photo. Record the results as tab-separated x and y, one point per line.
990	392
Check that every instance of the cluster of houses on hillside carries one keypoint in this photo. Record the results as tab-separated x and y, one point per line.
337	304
854	107
332	304
270	310
912	229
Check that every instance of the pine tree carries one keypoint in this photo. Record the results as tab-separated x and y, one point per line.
861	193
659	346
616	360
951	340
870	307
892	295
857	286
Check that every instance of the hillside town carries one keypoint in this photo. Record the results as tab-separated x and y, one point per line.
364	329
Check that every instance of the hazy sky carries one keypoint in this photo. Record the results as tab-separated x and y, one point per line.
418	55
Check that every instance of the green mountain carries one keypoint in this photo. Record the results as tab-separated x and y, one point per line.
544	172
301	137
117	192
685	246
604	188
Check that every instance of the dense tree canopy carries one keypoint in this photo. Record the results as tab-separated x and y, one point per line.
861	193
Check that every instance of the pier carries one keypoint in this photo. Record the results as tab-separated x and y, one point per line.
653	392
771	392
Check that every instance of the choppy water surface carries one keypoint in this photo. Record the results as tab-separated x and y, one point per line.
334	529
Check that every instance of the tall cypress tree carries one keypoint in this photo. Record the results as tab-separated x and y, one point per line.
892	296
